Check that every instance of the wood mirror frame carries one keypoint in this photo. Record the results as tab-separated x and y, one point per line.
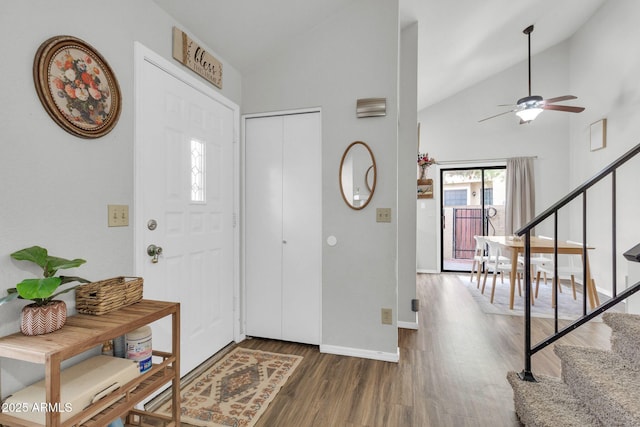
366	175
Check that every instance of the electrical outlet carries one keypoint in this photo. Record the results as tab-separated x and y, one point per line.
118	215
387	316
383	215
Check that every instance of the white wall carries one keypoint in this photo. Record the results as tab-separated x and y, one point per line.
407	148
450	132
352	55
604	67
56	187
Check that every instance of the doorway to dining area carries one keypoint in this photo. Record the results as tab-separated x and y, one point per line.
472	203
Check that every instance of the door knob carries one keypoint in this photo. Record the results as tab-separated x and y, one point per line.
153	251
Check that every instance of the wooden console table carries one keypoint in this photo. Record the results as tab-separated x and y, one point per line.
83	332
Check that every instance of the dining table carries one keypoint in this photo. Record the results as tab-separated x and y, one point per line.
515	245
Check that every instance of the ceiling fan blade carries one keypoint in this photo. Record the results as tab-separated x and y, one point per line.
567	108
497	115
559	98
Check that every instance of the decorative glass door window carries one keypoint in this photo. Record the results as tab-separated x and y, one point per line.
197	171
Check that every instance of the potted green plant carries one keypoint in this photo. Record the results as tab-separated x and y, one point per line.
45	314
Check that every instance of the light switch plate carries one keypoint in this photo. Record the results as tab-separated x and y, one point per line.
383	215
118	215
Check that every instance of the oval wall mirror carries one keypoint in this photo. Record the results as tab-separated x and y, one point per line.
357	175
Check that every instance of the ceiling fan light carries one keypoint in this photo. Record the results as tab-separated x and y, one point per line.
529	114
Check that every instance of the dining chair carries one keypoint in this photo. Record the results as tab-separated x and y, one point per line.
480	257
500	264
537	260
569	271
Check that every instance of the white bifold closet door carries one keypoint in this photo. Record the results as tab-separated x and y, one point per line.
283	227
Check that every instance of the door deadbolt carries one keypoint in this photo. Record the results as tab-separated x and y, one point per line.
154	251
152	224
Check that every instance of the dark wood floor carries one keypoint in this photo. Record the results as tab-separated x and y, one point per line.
451	371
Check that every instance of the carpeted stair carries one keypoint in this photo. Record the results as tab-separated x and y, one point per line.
597	388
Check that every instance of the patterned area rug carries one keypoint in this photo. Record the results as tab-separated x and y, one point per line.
236	390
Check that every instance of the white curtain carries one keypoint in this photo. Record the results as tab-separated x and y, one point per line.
520	203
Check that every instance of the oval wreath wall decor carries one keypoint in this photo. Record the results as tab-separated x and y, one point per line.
76	87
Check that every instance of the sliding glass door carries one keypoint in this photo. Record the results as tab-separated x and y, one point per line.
472	203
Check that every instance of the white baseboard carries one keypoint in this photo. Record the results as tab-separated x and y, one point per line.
605	292
408	325
421	270
358	352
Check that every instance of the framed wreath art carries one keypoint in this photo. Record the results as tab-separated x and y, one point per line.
76	86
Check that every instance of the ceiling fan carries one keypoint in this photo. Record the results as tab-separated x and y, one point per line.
529	107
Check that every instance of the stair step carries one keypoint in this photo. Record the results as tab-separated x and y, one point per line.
548	403
605	381
623	322
625	335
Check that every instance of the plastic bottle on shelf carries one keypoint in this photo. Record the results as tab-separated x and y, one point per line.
138	344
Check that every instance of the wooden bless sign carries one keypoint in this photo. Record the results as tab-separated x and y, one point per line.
195	57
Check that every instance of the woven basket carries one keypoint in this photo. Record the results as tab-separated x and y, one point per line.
108	295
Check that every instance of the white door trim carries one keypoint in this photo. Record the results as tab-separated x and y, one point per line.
142	54
243	215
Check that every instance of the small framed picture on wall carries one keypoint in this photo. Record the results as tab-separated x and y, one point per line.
598	135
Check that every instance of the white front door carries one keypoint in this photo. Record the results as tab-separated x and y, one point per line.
184	202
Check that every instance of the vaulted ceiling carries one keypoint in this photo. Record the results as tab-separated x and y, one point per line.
461	42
